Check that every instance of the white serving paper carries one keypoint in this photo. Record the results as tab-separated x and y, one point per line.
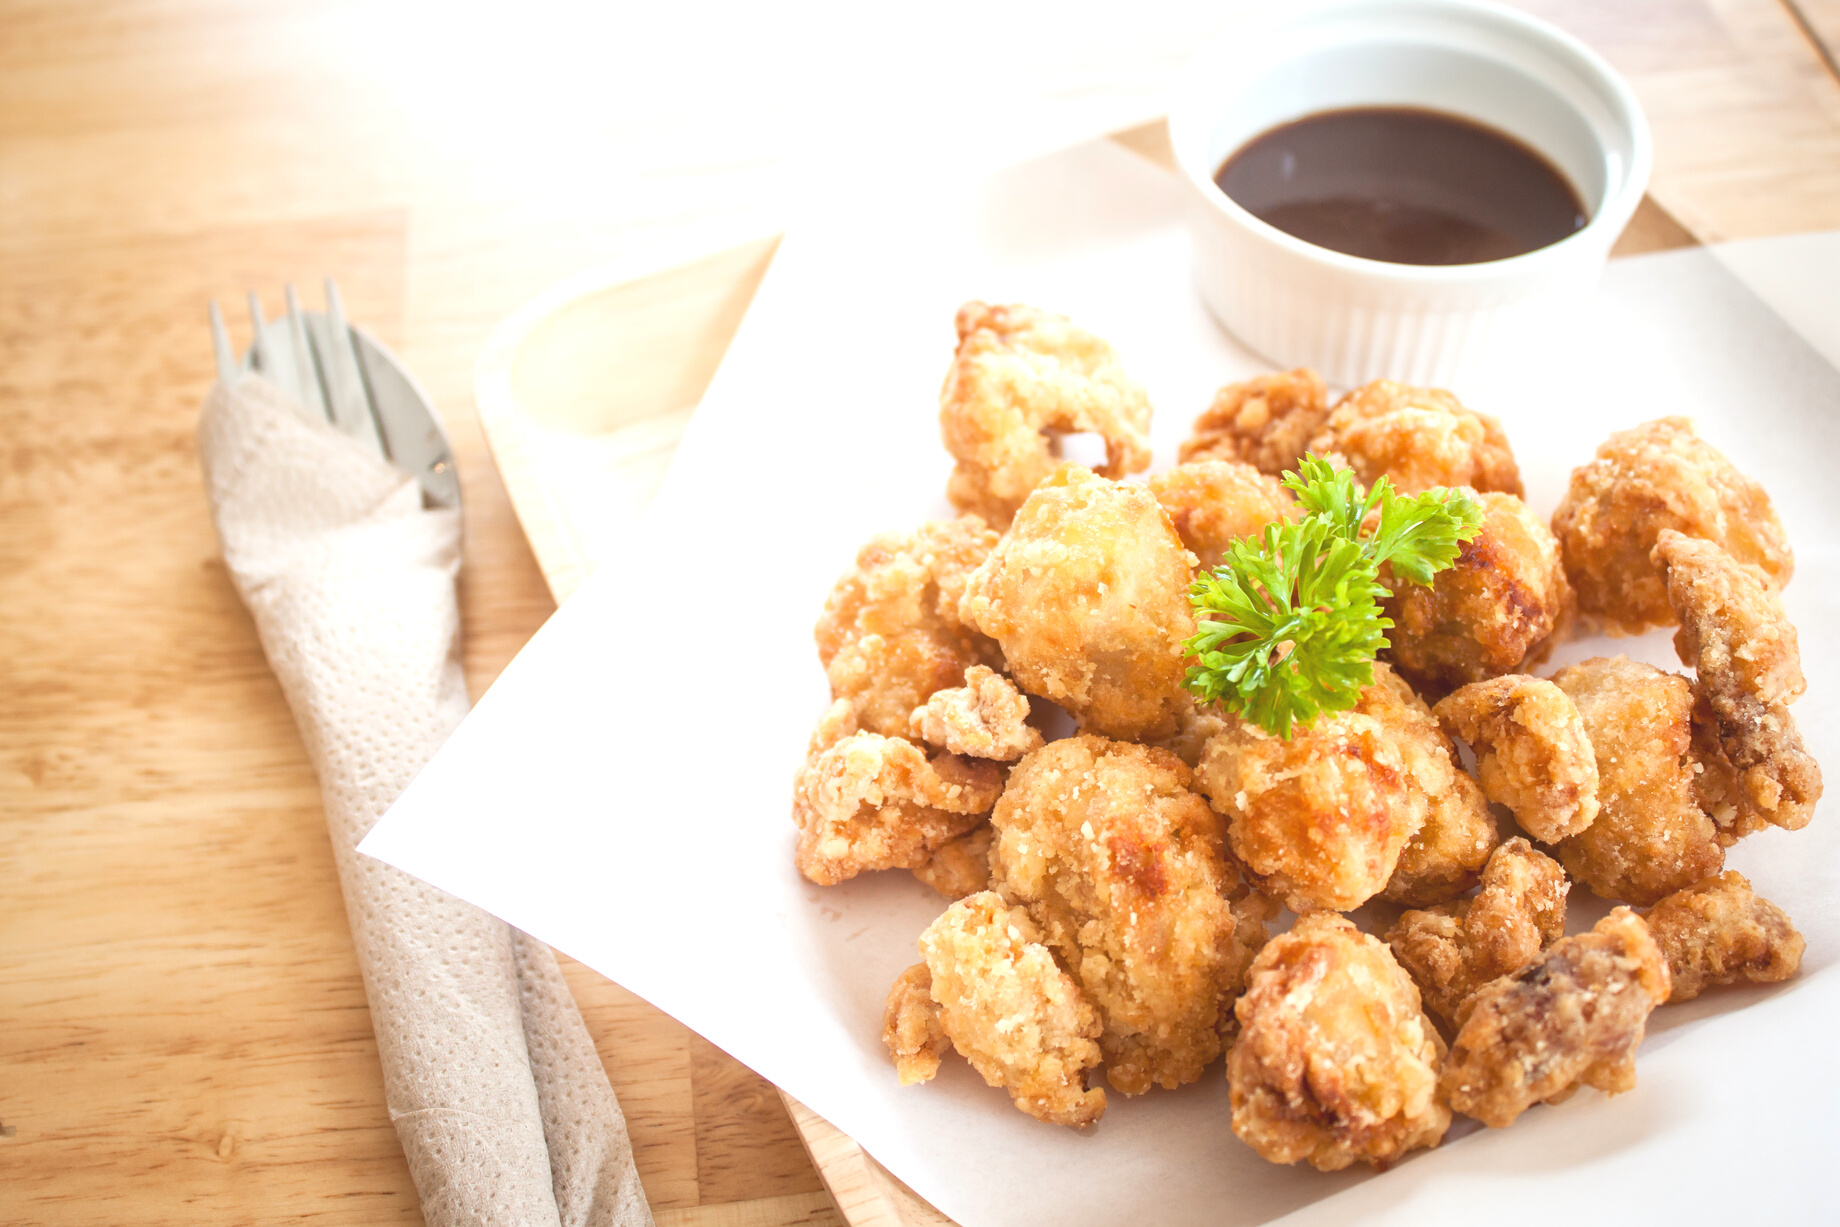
623	791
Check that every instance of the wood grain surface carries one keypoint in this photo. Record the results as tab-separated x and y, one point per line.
185	1033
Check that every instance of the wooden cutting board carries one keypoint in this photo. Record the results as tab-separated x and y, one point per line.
583	395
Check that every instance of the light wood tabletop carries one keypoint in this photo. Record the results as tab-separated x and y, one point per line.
185	1035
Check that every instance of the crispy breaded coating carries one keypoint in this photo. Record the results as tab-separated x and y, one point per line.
1212	503
1007	1006
1748	668
890	634
960	866
1446	857
1654	476
911	1028
1264	422
1020	379
1576	1016
1719	932
985	718
1253	912
1088	595
1454	949
1123	868
1421	438
1322	818
1195	727
1650	837
1532	753
863	801
1499	608
1336	1062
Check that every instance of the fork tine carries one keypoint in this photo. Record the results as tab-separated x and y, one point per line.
220	345
347	397
309	383
258	343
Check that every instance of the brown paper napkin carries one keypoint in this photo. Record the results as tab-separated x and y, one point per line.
493	1083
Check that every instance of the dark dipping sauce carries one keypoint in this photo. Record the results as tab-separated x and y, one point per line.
1403	185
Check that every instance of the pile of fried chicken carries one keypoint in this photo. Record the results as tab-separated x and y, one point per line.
1116	891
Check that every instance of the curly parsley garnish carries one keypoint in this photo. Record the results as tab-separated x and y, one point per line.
1288	625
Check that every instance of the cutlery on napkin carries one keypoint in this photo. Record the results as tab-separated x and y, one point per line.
493	1083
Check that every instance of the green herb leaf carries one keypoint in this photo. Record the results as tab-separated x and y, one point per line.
1421	536
1287	627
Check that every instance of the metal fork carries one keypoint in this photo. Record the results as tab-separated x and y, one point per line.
340	374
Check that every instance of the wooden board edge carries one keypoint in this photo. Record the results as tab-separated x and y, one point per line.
867	1194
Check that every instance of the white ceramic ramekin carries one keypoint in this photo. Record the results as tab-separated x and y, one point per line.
1352	319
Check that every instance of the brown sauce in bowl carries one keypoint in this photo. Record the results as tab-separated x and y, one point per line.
1403	185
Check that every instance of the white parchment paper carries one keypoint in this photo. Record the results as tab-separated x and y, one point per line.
623	791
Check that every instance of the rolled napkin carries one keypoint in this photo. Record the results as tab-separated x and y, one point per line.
491	1079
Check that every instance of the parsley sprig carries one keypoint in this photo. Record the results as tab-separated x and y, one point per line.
1288	625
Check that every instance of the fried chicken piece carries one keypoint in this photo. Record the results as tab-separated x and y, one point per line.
1719	932
1499	608
911	1027
985	718
1654	476
1531	751
863	801
1264	422
1195	727
1088	595
1421	438
1446	857
1575	1016
1005	1004
890	634
1123	868
1020	379
961	866
1454	949
1336	1062
1253	912
1650	837
1748	668
1212	503
1322	818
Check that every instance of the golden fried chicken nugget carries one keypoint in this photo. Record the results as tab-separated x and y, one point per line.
1532	752
1576	1016
1253	912
1336	1061
1196	726
890	634
1421	438
1499	608
1454	949
1719	932
1020	379
1654	476
911	1027
1264	422
863	801
1088	595
1124	870
1650	837
1322	818
1446	857
1212	503
987	717
960	866
1748	668
1005	1005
